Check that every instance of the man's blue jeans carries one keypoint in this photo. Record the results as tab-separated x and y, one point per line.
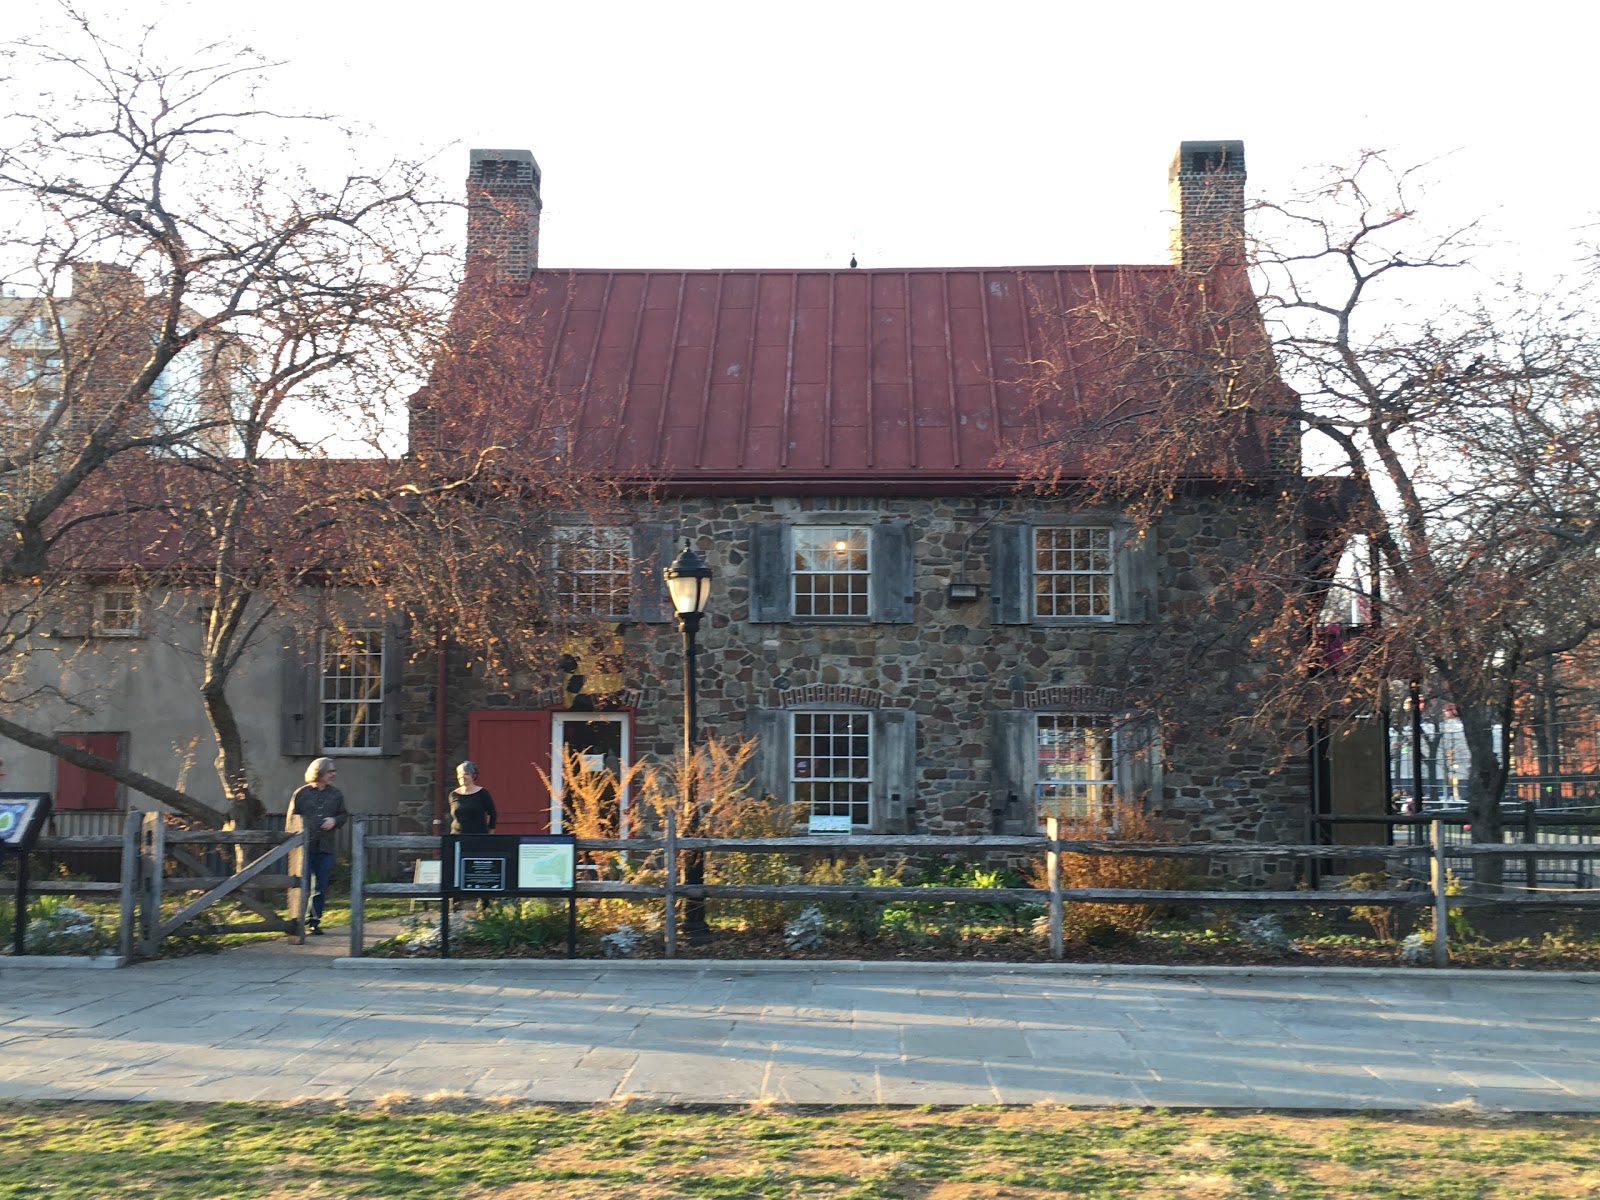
321	871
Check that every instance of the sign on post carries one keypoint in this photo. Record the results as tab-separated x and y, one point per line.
481	865
22	817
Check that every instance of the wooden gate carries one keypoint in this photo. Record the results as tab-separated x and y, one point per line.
152	846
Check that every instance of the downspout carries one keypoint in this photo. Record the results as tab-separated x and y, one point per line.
438	735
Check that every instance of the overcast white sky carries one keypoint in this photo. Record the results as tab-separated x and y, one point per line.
700	134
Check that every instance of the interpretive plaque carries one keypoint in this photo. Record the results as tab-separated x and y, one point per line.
22	817
482	873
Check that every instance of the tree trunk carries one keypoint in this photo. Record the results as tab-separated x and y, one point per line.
179	802
244	807
1486	780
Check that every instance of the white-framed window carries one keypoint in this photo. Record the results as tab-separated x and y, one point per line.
352	691
1075	764
1073	571
830	765
33	369
31	331
832	571
116	612
594	569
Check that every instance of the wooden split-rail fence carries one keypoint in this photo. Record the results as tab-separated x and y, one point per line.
160	863
1431	874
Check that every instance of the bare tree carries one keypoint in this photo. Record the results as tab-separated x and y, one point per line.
1455	440
200	326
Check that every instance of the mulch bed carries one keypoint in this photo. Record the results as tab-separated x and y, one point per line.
744	944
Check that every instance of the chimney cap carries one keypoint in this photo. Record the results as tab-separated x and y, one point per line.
1214	157
479	156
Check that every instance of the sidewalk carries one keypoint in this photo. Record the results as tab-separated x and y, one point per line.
276	1022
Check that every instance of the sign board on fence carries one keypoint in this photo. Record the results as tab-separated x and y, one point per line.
22	817
512	864
830	825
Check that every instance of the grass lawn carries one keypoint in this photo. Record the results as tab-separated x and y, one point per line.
447	1149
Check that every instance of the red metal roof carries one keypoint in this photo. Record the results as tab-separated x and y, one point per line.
810	379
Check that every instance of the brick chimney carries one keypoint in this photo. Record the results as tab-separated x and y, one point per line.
1208	195
503	215
106	284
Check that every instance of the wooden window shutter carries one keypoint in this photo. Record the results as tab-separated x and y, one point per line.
69	611
1133	580
394	668
1138	759
300	696
1013	750
1010	575
771	592
894	733
894	599
653	550
770	729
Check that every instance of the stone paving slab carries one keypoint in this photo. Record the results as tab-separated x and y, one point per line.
281	1022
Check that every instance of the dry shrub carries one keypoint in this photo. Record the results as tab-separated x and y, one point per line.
590	809
590	806
1122	820
727	807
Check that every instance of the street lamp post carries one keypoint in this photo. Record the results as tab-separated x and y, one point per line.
689	583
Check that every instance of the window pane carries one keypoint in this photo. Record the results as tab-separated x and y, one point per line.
1072	572
352	690
831	765
594	569
832	572
1075	764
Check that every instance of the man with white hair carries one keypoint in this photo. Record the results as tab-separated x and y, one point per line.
320	807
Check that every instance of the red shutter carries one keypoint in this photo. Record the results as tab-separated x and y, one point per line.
78	788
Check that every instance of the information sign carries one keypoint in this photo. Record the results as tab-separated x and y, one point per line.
22	817
830	825
481	873
513	864
546	866
496	864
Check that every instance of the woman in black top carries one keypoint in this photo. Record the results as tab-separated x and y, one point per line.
471	807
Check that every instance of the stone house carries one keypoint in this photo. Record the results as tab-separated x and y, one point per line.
916	643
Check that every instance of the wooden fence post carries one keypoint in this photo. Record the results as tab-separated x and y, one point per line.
1530	835
130	882
1441	901
1052	868
155	866
669	892
358	884
306	883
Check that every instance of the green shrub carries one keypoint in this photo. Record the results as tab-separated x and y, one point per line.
516	925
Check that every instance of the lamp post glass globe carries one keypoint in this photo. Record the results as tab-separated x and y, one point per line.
689	583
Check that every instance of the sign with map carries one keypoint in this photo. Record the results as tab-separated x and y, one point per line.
512	864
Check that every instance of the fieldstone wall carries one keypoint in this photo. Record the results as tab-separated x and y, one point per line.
950	666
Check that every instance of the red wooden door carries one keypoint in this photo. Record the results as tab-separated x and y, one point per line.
79	788
511	748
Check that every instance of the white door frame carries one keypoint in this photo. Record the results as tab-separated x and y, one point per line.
558	724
